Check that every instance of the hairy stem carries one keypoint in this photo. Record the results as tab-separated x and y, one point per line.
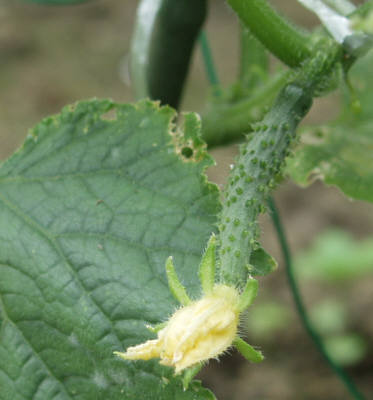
277	35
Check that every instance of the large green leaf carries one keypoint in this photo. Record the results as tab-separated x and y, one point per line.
90	208
341	153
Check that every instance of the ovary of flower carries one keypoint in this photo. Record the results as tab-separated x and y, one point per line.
202	330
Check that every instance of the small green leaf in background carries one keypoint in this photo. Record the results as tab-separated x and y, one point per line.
266	320
90	208
336	256
329	316
347	349
341	153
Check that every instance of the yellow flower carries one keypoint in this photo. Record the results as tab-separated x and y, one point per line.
201	329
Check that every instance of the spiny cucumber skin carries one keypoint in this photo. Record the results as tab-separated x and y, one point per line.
259	162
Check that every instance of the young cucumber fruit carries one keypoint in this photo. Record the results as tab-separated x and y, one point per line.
259	164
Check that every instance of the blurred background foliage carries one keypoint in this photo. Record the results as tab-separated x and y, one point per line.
50	57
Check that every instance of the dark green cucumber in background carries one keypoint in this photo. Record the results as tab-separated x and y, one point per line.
165	34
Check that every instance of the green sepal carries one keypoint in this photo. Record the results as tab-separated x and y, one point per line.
248	294
248	351
261	263
176	287
206	271
190	373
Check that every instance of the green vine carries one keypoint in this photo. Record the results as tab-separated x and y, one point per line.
301	309
284	40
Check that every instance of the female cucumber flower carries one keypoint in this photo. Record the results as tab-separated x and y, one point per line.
201	329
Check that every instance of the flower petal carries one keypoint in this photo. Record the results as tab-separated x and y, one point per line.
143	351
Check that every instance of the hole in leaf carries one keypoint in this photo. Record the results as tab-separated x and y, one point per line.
187	152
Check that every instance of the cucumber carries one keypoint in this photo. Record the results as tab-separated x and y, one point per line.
260	162
165	34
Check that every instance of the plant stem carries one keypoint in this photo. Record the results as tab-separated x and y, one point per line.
317	340
285	41
254	60
208	60
226	122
